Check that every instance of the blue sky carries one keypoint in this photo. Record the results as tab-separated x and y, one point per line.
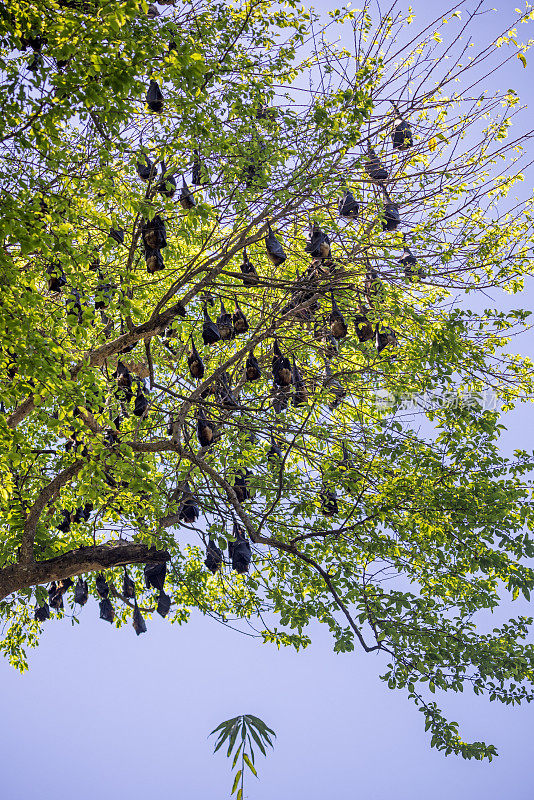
103	713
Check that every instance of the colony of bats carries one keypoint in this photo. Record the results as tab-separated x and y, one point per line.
288	383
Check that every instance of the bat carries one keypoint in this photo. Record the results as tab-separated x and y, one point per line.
117	234
401	136
409	262
348	207
81	592
154	260
241	486
214	557
187	198
210	330
155	575
141	402
64	525
329	505
190	506
385	336
102	586
196	175
374	167
275	250
239	550
124	382
154	98
252	368
281	366
334	387
146	168
195	363
164	604
338	326
391	217
73	305
138	622
364	328
248	271
205	429
107	612
128	586
57	277
280	395
225	324
154	233
274	451
42	613
318	243
301	393
239	320
373	287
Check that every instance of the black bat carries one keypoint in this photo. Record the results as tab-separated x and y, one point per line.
275	251
167	183
301	393
329	505
189	506
373	287
138	622
224	392
128	586
73	304
239	320
154	98
57	277
55	596
347	462
364	328
390	217
349	207
401	136
385	336
155	575
252	368
141	402
42	613
409	262
187	198
154	260
205	428
102	586
241	486
250	276
81	592
225	324
335	388
281	366
210	330
124	382
196	175
103	293
107	612
318	243
154	233
280	395
374	167
117	234
146	168
214	557
195	363
239	550
164	604
274	451
64	525
338	326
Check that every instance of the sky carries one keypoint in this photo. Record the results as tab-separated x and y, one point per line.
103	713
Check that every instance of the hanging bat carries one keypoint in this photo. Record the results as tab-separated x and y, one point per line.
55	596
57	277
138	622
103	293
195	363
239	550
64	525
117	234
401	135
275	250
81	592
214	557
73	305
280	395
42	613
124	382
205	429
224	393
210	330
334	387
190	506
155	575
364	328
318	243
374	167
385	336
338	326
154	98
252	368
164	604
348	206
373	287
154	260
409	262
281	366
239	320
102	586
225	324
154	233
250	276
241	486
391	217
329	505
141	402
274	451
146	168
128	586
107	612
167	183
187	198
196	175
301	393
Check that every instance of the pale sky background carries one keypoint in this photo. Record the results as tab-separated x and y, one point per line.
104	714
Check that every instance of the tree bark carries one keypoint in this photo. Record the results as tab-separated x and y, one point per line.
77	562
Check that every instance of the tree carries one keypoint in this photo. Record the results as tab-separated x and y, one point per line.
127	436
